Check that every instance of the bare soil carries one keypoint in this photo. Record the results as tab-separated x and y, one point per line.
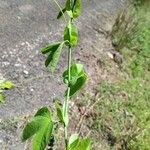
25	27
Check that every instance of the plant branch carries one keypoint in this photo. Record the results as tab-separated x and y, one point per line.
67	98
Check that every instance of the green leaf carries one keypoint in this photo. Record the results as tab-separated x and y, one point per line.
59	111
76	8
40	128
60	14
32	127
41	139
84	144
44	112
2	98
78	78
73	141
6	85
53	57
50	48
70	14
71	34
77	86
68	5
75	71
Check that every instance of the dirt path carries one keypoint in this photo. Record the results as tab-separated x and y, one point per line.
26	26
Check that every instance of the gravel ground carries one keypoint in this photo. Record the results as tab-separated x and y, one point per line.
26	26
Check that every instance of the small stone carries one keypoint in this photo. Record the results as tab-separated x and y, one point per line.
31	90
25	72
110	55
17	65
6	63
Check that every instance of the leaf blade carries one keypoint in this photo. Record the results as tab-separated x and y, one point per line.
71	34
77	8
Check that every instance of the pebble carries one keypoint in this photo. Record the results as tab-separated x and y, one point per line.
17	65
25	72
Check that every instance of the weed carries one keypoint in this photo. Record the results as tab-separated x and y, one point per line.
42	127
4	85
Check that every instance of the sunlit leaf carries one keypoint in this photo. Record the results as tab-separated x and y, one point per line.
6	84
2	97
71	34
32	127
40	129
84	144
73	141
41	139
54	55
78	78
76	8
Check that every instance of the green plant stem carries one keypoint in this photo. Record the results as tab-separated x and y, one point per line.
60	10
68	97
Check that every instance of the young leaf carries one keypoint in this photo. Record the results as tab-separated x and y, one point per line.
59	111
50	47
78	78
2	97
71	34
73	141
70	14
53	57
84	144
60	14
6	85
76	8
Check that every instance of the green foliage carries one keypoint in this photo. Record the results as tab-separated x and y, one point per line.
131	36
77	80
73	9
76	8
40	128
122	114
71	34
4	85
75	143
54	52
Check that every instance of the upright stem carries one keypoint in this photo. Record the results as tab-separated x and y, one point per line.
67	98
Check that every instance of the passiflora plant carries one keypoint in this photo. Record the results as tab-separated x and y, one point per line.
42	127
